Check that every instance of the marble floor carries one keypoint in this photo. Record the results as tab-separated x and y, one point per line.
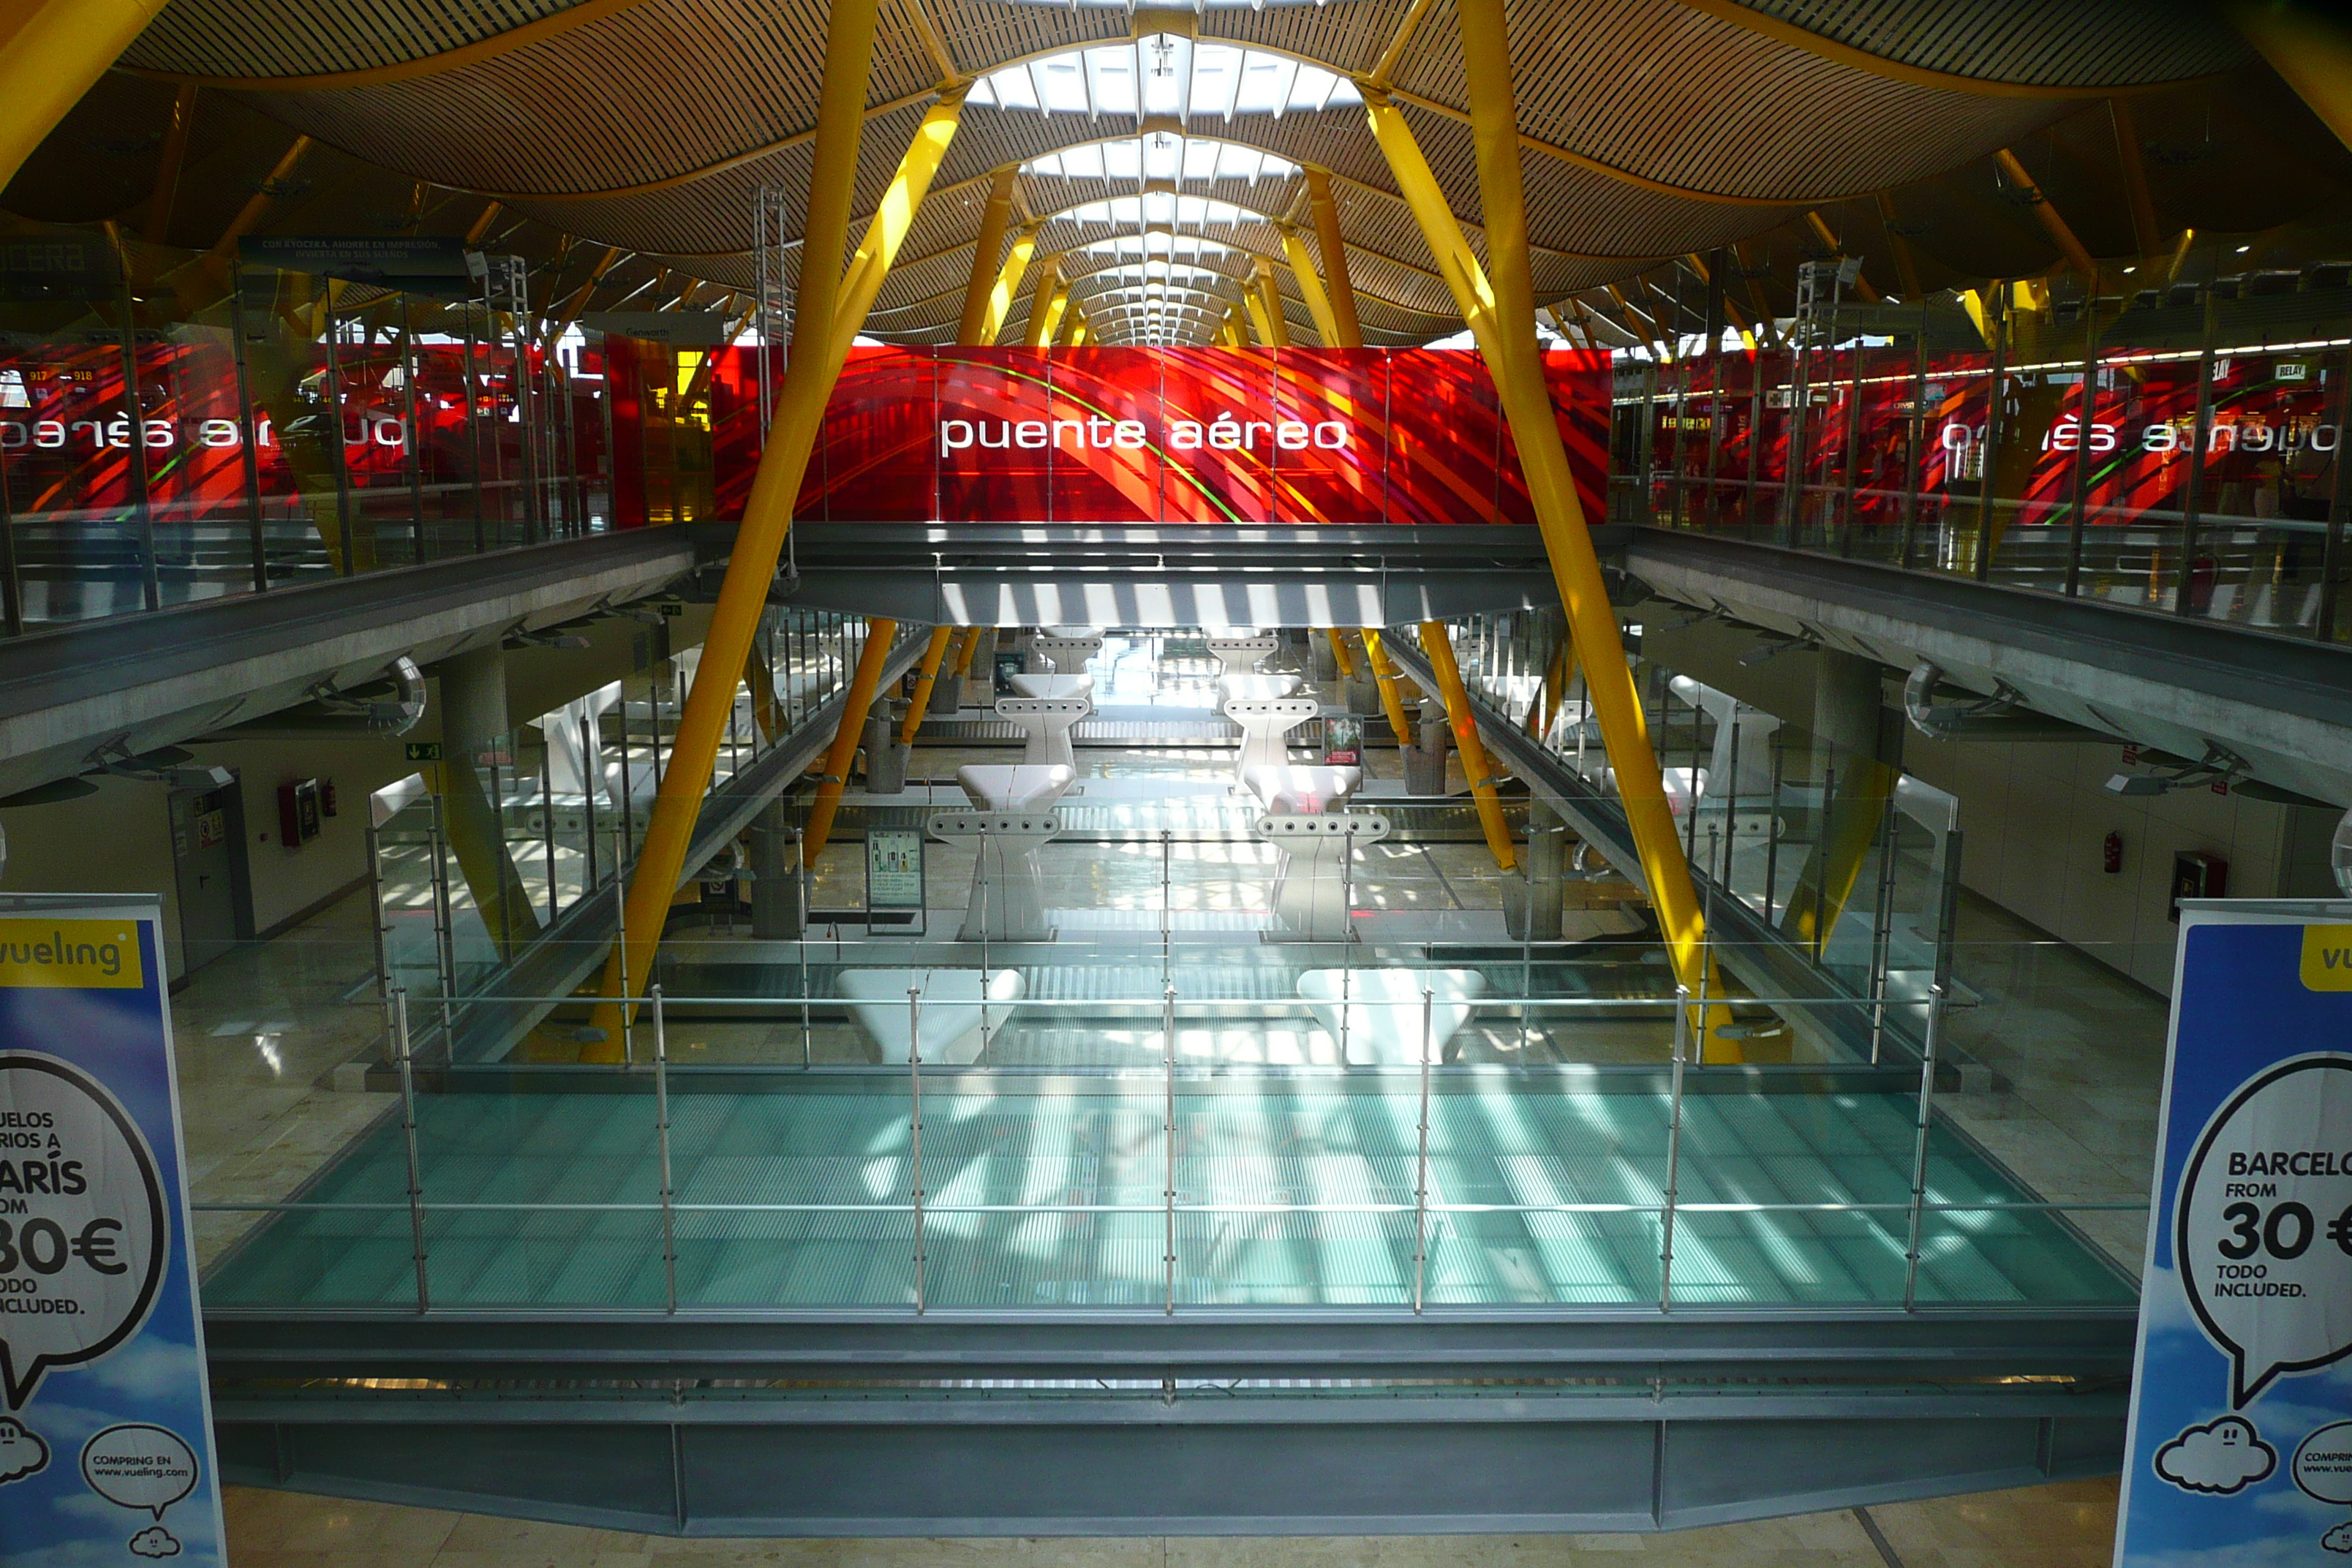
2077	1053
2070	1524
256	1035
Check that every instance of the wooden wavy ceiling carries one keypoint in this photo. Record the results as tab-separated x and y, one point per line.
1654	129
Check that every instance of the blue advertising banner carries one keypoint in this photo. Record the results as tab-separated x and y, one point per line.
106	1452
2241	1444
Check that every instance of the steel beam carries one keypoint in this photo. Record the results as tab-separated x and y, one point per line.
932	657
879	636
1007	287
1502	317
1385	676
768	514
1439	646
1334	250
2054	222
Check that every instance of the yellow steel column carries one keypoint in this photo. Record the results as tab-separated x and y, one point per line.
1475	767
995	219
1502	316
1276	325
1254	303
2308	47
1041	288
1007	286
1318	303
1046	317
1855	818
1341	657
1384	674
767	515
1334	247
969	645
925	680
892	219
879	637
52	52
2054	222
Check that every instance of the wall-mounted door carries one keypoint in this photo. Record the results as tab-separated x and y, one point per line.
216	902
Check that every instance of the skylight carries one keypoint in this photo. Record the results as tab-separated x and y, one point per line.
1177	76
1161	157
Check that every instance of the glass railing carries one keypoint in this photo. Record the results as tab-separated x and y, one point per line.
1855	862
178	427
916	1164
478	859
2175	452
1120	1060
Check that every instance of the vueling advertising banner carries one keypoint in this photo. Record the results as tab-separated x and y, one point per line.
2240	1446
1281	438
106	1452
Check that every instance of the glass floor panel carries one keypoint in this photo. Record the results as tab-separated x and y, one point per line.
1046	1194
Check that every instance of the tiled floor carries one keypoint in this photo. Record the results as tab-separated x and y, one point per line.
2067	1525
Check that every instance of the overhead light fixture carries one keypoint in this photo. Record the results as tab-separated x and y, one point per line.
2243	249
1776	648
2137	786
2220	765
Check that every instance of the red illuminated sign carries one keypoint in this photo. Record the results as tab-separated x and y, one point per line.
1112	435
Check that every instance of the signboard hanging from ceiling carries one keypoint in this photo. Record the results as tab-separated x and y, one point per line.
1284	437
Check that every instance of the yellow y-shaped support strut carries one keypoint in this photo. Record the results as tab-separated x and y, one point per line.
879	635
925	680
1384	674
1310	286
1336	285
1501	315
1340	658
1464	723
52	52
827	302
995	219
965	648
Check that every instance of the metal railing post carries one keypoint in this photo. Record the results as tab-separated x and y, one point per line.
1167	897
661	1129
444	921
402	1058
1168	1053
1919	1147
915	1119
1881	954
1674	1150
621	942
1421	1180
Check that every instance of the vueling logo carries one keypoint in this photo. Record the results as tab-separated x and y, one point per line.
2328	958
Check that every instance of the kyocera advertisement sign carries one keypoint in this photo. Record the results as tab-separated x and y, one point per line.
2241	1446
1280	437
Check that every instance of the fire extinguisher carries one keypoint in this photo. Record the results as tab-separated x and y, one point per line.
2110	853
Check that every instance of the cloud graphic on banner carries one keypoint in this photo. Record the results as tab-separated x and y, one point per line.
2266	1295
22	1451
155	1541
2220	1457
2338	1539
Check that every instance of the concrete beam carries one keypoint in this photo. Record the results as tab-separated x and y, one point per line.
154	679
2158	681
